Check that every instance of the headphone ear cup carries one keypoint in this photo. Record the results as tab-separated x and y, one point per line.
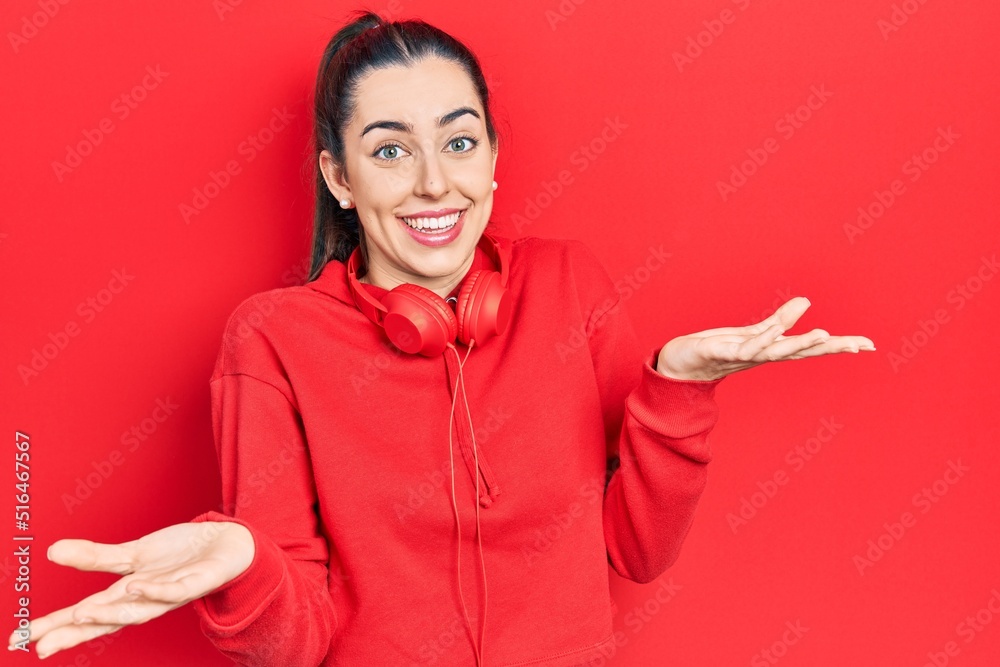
418	321
483	309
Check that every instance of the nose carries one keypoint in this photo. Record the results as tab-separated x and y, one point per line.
432	181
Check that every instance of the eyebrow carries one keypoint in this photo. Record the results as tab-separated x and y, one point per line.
408	128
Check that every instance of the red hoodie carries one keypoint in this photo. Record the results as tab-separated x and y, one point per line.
334	452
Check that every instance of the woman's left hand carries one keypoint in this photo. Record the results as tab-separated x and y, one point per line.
715	353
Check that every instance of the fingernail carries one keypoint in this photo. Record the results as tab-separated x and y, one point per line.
85	619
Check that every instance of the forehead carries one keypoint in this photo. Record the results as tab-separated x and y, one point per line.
417	94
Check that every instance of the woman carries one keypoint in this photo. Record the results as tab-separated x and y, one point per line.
344	519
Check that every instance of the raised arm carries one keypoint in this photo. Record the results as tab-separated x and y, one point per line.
279	611
658	427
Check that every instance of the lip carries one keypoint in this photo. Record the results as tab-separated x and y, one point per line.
439	239
433	214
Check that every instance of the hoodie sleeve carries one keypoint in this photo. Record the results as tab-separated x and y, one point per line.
279	611
657	427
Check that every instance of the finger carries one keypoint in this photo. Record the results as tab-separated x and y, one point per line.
133	611
751	347
177	591
836	345
749	330
69	636
38	627
863	343
20	635
785	348
789	312
93	556
786	315
42	625
146	600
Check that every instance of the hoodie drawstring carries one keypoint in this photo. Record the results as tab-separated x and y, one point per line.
477	466
459	381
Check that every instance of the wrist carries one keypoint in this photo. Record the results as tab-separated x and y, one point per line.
664	369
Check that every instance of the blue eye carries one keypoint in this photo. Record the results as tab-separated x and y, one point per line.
392	151
463	140
390	158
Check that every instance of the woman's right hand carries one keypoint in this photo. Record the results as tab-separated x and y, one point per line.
163	570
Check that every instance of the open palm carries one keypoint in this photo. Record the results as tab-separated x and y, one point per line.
162	571
715	353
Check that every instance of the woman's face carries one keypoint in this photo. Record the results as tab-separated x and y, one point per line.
418	158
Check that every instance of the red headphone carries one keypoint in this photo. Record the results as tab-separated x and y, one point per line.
418	321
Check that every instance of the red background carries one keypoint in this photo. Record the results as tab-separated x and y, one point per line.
557	77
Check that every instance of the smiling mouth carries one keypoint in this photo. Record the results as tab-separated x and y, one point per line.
433	225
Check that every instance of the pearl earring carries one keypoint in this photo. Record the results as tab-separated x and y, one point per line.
345	203
494	185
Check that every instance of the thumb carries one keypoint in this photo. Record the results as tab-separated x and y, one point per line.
93	556
787	313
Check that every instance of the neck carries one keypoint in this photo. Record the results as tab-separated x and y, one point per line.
440	286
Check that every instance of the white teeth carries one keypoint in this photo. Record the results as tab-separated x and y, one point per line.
442	223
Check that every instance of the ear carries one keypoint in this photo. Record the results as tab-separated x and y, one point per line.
496	152
333	174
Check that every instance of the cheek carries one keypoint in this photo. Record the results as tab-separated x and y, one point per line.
477	186
384	186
